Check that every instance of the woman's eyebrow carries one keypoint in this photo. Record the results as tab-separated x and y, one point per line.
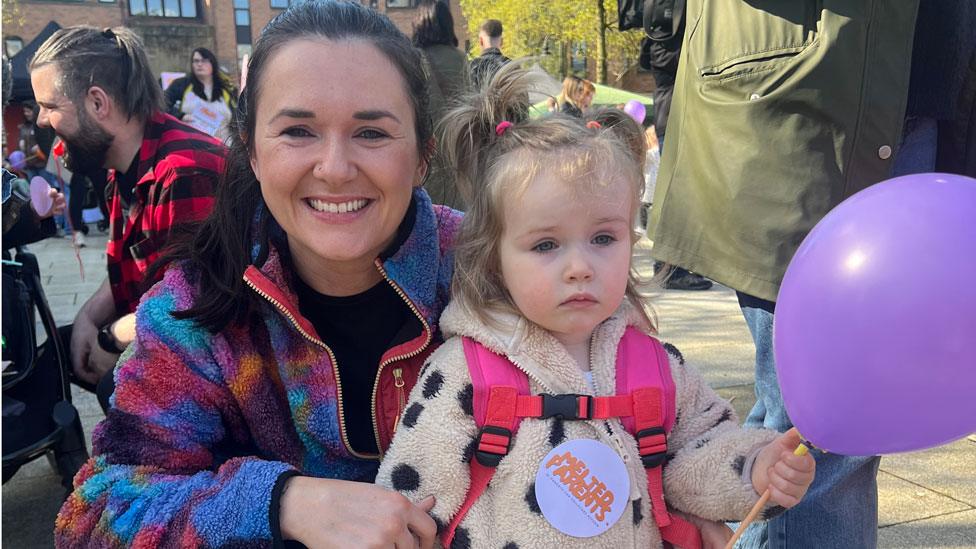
374	115
292	113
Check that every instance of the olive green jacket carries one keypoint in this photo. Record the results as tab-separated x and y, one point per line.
782	109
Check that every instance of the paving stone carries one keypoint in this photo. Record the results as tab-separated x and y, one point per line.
905	501
954	530
948	469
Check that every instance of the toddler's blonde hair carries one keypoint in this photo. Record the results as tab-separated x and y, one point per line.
493	164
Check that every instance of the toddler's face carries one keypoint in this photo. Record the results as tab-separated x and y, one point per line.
565	256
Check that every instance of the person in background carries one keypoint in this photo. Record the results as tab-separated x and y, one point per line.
96	91
491	59
576	96
758	150
433	34
205	98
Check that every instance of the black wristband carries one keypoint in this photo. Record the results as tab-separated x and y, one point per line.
107	341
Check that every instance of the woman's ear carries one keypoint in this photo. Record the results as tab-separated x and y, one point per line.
423	168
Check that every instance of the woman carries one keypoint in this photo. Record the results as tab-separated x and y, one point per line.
205	98
433	34
576	95
272	363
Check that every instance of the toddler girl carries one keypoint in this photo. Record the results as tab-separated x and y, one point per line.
543	282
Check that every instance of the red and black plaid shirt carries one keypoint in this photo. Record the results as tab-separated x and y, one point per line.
175	181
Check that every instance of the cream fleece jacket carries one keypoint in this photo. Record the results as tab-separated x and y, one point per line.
707	450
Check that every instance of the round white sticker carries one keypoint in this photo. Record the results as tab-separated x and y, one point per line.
582	487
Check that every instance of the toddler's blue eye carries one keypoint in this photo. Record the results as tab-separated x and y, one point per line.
546	246
603	239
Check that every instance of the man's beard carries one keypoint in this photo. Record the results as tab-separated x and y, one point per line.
87	150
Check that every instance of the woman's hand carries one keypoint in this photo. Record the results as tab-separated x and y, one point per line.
786	475
325	513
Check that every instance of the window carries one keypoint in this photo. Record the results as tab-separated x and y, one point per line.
186	9
400	3
13	45
242	21
282	4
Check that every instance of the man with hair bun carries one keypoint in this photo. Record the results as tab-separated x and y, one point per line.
96	91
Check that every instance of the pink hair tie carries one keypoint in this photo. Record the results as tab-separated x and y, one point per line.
593	125
502	126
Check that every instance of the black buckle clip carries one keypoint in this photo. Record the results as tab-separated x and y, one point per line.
565	406
655	459
492	459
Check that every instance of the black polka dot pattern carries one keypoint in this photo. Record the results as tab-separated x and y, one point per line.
726	415
412	414
469	450
638	513
405	478
673	351
461	539
511	545
558	432
432	385
441	525
532	502
702	442
465	398
738	464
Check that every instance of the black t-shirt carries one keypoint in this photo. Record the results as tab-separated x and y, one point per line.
359	329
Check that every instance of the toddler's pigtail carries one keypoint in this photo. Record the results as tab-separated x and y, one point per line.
474	132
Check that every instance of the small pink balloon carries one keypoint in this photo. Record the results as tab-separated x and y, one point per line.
636	110
40	196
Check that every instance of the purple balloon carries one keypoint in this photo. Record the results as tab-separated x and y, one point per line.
636	110
875	325
18	160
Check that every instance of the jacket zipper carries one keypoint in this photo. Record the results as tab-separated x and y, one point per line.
415	352
335	369
401	398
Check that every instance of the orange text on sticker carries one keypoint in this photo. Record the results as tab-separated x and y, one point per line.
573	473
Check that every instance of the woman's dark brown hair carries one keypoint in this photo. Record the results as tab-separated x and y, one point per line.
220	250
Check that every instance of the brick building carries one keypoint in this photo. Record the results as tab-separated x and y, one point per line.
171	29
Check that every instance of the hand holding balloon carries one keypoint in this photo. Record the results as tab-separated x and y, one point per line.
780	470
45	200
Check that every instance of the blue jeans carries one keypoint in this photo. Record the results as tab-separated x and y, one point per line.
919	145
841	507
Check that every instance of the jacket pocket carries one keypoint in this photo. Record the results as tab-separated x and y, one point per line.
732	40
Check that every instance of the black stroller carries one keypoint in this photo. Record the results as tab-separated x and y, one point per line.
38	416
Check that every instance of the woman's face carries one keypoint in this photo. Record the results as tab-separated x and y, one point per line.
335	151
586	99
201	65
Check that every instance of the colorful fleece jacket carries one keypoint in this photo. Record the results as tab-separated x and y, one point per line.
709	456
203	426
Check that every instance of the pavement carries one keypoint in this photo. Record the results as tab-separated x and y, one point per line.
926	499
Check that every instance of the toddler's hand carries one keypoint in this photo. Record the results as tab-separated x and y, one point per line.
786	475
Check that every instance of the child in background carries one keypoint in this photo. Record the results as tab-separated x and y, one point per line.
543	277
652	161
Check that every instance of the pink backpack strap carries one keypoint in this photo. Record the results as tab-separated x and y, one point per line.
644	372
496	385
